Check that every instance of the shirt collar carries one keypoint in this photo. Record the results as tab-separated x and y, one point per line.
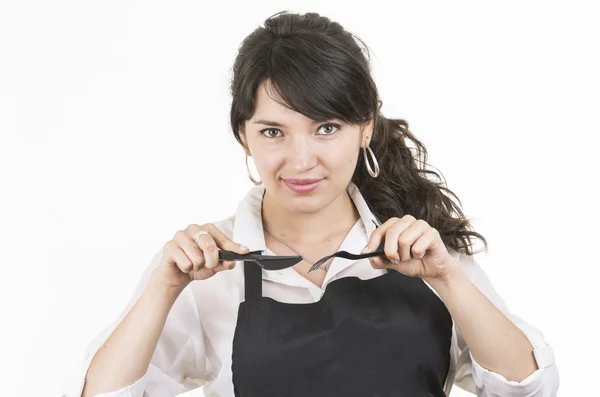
248	228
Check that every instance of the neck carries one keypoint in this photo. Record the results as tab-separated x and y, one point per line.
309	228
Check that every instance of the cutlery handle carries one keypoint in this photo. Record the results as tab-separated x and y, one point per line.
225	255
234	256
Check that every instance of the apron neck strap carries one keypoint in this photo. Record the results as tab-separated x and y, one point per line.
252	280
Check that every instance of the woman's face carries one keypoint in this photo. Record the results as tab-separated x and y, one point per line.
286	145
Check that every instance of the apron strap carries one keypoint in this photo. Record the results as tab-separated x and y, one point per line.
252	280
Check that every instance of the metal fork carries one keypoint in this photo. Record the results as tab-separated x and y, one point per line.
347	255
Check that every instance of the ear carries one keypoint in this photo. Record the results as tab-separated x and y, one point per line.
367	132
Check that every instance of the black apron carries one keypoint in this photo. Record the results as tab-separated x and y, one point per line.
386	336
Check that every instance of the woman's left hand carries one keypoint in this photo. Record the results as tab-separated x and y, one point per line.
413	248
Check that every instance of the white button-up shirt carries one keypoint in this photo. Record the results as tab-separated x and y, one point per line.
195	346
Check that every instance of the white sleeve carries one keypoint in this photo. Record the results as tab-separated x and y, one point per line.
179	362
471	376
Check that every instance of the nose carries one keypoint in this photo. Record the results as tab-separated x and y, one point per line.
302	153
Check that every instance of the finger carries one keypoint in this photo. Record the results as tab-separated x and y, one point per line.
377	235
390	246
223	241
408	237
376	262
380	262
227	265
177	257
392	236
210	250
190	248
194	252
224	265
424	243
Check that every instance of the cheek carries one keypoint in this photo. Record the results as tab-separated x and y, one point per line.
339	166
343	159
269	162
351	164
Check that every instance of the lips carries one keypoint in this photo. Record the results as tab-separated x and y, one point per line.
302	181
302	185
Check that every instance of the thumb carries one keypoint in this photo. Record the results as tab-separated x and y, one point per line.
378	262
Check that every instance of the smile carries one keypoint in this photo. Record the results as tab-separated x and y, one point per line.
302	186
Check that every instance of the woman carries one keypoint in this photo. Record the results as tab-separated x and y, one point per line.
412	322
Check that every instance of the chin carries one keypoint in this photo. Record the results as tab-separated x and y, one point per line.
304	208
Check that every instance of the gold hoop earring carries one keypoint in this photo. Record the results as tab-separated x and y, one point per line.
375	163
250	174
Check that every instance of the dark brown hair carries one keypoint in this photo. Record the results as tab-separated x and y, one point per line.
322	71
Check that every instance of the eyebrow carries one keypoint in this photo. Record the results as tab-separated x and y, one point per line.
276	124
269	122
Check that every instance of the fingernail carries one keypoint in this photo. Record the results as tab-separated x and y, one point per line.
395	262
365	250
243	247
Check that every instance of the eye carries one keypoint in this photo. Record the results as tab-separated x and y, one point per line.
330	128
267	130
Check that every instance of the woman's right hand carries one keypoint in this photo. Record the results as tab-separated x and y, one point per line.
184	261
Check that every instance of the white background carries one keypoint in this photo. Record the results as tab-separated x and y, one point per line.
114	135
